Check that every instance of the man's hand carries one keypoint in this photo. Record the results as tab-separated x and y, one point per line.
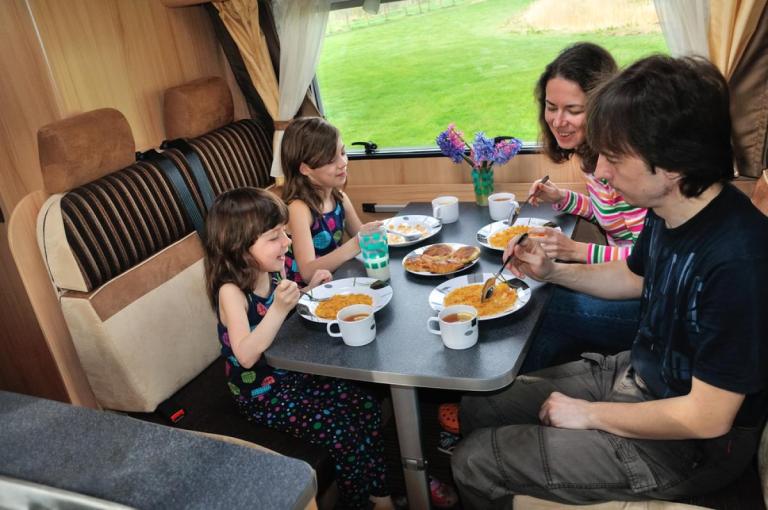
286	296
559	246
565	412
543	193
320	277
529	260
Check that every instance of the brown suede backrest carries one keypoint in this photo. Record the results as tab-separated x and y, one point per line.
83	148
197	107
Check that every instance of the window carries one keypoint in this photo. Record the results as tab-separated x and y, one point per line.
400	76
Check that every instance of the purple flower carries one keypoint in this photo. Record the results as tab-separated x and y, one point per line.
451	143
483	153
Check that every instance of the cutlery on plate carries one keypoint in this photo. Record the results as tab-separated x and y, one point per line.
490	283
408	237
516	211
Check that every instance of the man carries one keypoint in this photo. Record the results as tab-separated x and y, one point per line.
681	413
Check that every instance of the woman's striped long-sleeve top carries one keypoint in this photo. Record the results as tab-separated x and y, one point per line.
604	206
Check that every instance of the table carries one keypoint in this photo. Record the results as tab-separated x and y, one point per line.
51	454
405	355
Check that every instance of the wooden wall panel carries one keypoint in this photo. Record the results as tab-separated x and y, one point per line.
399	181
60	58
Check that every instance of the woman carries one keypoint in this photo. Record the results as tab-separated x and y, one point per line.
574	322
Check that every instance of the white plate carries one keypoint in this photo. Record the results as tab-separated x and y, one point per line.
437	296
487	231
419	251
358	285
430	223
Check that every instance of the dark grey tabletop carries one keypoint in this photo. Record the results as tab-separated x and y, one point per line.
404	352
142	465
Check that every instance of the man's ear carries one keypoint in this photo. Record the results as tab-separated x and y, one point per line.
304	169
670	175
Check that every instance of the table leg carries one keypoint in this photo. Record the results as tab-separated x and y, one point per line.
405	402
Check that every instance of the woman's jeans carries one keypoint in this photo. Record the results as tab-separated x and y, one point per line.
574	322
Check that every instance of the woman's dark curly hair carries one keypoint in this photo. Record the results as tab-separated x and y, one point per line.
236	219
586	64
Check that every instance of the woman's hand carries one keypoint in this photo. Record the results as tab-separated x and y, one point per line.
320	277
529	260
544	193
559	246
286	296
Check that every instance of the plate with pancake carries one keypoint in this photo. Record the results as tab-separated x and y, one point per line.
341	293
466	289
496	235
441	259
427	226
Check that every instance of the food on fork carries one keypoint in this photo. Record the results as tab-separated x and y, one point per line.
502	299
329	308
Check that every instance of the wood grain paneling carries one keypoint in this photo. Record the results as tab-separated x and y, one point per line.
399	181
60	58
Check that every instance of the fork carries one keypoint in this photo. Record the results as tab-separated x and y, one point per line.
489	285
279	277
515	212
407	237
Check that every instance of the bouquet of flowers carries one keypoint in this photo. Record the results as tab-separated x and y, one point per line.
483	154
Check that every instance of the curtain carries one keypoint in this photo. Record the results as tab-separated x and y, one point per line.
749	103
731	25
301	29
241	17
684	24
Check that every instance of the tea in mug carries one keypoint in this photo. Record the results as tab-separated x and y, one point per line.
458	317
356	317
501	199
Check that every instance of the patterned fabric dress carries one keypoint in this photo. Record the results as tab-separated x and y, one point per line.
328	412
605	207
327	232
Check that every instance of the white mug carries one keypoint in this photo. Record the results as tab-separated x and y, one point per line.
446	209
458	326
356	325
500	205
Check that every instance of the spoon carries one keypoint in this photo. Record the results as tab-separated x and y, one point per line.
408	237
516	211
490	284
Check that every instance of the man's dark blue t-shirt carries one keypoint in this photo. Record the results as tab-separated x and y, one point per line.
705	303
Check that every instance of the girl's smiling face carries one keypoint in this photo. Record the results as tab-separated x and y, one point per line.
332	174
565	112
269	249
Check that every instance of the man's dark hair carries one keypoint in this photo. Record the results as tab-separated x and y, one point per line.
671	112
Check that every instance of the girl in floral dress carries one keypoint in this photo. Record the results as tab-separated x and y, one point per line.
244	257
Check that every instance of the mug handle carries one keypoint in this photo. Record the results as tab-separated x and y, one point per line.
330	331
429	325
436	211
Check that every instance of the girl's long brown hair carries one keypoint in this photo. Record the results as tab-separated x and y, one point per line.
312	141
587	65
236	219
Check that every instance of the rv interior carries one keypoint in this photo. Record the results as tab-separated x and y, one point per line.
121	121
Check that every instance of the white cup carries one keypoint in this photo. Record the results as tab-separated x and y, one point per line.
458	326
500	205
356	325
446	209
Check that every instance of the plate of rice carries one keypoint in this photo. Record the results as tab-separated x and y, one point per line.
465	290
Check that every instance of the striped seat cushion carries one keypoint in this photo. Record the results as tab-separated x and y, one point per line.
236	155
120	220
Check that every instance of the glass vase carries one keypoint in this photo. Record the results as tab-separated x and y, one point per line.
482	179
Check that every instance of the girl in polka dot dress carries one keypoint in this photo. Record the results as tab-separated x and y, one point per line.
244	257
315	166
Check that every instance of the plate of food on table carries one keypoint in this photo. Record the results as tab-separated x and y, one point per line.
441	259
322	303
509	295
496	235
411	229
